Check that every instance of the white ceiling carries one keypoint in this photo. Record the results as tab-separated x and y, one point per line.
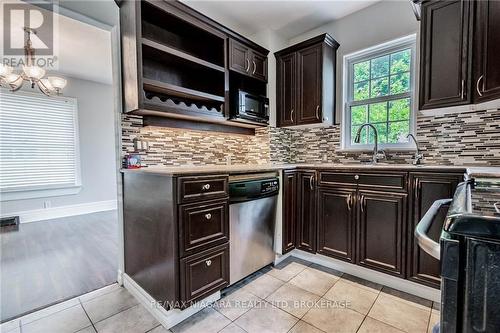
287	18
84	51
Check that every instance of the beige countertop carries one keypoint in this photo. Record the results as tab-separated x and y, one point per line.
247	168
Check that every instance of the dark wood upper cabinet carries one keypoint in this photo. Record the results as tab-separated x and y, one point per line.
306	211
244	60
425	188
445	55
336	222
305	82
309	84
176	63
381	226
286	99
487	51
289	234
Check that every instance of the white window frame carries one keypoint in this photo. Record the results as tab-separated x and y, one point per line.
348	76
49	190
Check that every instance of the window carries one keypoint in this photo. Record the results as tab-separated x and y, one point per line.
38	145
379	90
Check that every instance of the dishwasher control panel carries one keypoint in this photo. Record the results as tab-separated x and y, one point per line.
269	186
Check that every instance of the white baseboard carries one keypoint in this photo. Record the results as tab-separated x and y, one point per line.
370	275
63	211
167	318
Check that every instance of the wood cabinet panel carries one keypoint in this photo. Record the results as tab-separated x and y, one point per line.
425	189
336	222
286	93
259	66
306	212
445	67
202	188
487	51
239	57
289	235
381	227
204	273
202	225
309	85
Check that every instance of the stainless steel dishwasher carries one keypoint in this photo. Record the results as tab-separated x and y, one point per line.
252	217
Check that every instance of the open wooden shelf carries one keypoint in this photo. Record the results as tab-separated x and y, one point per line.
177	91
180	54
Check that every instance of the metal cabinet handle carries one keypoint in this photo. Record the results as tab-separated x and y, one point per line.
208	216
254	67
362	203
477	85
291	115
205	187
208	262
248	65
311	182
317	111
462	93
356	177
348	199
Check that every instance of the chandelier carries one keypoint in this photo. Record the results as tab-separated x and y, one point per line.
32	73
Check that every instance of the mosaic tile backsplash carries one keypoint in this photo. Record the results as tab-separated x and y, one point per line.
466	138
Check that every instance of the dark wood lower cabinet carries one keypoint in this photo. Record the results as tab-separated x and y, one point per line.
381	226
289	234
427	188
336	222
306	212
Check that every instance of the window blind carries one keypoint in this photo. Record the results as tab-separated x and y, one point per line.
38	142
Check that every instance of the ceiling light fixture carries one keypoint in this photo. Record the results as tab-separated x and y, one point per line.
50	86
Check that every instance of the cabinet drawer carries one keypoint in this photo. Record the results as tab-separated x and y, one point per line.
393	181
203	225
201	188
337	177
204	273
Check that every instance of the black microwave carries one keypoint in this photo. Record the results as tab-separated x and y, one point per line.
251	108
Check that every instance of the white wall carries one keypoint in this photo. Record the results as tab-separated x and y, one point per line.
97	149
381	22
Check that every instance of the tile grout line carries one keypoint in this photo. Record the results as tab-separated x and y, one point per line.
91	322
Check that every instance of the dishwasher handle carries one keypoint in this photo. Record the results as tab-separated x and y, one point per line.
423	226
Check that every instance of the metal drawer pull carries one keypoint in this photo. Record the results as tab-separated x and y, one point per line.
248	65
205	187
497	207
423	226
311	182
477	85
208	262
348	199
362	202
462	93
291	115
254	67
356	177
317	111
208	216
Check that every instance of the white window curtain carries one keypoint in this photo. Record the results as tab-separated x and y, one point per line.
38	142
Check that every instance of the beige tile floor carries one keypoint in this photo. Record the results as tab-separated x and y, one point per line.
294	297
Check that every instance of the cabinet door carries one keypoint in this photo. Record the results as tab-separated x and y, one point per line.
487	52
259	66
289	211
239	57
382	217
310	80
306	223
445	56
286	90
425	189
336	222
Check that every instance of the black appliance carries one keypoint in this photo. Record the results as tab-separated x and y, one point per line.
250	108
469	252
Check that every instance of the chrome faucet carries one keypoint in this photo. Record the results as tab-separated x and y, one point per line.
417	158
376	155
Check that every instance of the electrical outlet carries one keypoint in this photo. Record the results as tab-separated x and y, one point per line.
47	204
